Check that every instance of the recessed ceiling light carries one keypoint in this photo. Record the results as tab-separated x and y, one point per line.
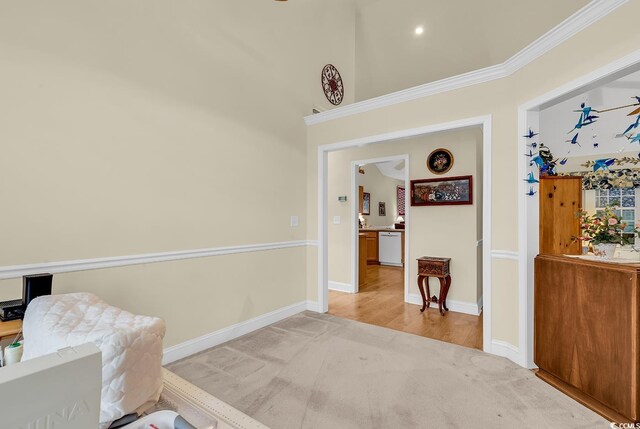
419	30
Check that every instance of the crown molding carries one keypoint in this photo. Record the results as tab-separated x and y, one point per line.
486	74
583	18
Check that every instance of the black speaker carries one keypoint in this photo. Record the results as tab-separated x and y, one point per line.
35	286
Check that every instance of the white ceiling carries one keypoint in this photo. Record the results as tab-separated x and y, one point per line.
556	121
460	36
392	169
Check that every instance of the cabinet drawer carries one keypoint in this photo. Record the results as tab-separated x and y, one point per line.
433	267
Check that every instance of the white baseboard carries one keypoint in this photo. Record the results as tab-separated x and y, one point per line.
341	287
457	306
314	306
193	346
507	350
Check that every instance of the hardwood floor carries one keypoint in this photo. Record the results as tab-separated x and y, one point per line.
381	302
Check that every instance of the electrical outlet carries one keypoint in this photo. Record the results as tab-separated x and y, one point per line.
294	221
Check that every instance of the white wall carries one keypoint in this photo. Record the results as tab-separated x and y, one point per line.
449	231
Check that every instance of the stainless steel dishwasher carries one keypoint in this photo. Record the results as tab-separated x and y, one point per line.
390	248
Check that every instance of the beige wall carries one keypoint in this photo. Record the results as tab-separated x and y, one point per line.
611	38
148	126
199	296
195	296
449	231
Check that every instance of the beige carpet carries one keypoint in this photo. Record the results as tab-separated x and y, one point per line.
318	371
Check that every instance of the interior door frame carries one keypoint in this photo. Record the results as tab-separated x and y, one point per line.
322	215
355	253
528	208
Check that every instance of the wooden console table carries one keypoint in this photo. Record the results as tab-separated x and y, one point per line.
434	267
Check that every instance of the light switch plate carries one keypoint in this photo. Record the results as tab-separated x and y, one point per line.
336	220
294	220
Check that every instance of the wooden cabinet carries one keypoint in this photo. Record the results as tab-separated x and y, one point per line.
587	332
373	251
560	201
362	258
372	248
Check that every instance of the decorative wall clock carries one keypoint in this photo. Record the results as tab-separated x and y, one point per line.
332	84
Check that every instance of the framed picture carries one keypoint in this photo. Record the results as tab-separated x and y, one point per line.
400	200
439	192
382	209
366	203
440	161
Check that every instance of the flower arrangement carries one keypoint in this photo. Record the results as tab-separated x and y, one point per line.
605	227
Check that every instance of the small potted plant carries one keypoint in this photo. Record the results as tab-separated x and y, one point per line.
605	230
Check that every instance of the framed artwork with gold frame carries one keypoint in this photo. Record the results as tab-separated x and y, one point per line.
440	161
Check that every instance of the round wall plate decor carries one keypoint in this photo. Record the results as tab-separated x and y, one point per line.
332	84
440	161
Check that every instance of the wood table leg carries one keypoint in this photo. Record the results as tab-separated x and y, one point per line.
442	296
421	289
446	292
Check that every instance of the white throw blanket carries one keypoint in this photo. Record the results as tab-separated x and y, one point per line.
131	347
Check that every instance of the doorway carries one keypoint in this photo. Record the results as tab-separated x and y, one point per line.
378	210
529	115
388	295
